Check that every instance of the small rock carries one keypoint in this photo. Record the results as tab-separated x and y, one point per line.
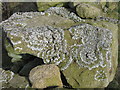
45	76
87	11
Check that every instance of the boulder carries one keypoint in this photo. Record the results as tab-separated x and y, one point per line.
85	51
45	76
87	11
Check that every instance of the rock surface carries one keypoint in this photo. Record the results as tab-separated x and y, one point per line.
83	50
87	11
11	80
45	76
42	6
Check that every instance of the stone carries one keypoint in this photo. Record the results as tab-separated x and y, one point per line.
11	80
42	6
86	51
74	75
45	76
88	11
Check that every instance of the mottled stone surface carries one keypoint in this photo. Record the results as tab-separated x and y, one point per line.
11	80
86	52
45	76
87	11
42	6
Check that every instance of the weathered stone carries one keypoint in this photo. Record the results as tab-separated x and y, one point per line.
84	51
42	6
45	76
87	11
11	80
98	70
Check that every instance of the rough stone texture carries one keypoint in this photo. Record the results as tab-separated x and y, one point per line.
45	76
86	52
106	9
11	80
87	11
42	6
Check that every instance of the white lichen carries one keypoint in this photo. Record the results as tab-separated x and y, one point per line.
95	41
100	75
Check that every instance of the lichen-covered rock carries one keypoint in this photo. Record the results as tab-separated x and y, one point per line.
86	52
11	80
42	6
45	76
87	11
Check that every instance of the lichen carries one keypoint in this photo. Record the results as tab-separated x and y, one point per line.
64	13
89	54
6	76
100	75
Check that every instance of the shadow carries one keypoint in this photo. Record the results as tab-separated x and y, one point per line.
6	60
50	88
64	81
24	67
8	8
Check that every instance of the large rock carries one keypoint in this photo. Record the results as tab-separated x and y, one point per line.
85	51
11	80
45	76
87	11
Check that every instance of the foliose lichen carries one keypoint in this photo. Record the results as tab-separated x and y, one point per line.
100	75
64	13
92	51
95	41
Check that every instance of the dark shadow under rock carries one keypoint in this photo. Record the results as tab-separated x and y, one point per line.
8	8
30	65
6	60
65	83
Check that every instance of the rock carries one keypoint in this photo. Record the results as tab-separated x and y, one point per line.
27	67
42	6
87	11
96	70
85	51
45	76
11	80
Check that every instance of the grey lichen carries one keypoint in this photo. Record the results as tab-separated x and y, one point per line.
100	75
95	41
92	50
48	41
64	13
